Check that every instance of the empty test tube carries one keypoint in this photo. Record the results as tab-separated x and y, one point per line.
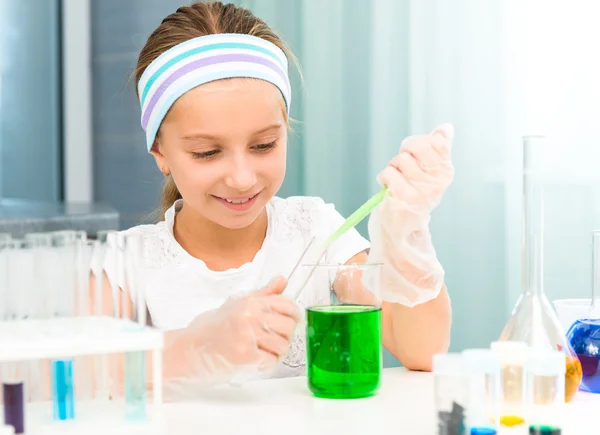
482	369
100	362
40	245
545	392
448	378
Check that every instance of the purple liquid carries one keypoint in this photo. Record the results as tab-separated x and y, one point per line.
14	406
584	337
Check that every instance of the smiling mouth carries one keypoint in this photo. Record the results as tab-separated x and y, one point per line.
239	201
239	204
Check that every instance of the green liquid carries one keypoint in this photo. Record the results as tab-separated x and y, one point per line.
343	350
544	430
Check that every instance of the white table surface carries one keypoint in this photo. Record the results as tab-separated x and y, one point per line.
404	405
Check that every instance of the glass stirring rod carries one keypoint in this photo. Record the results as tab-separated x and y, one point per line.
354	219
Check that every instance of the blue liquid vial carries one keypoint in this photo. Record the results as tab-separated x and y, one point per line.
584	336
135	386
63	394
483	431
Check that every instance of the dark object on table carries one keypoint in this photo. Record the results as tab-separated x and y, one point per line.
452	423
544	430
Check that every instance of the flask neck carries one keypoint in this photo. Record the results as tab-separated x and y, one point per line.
533	219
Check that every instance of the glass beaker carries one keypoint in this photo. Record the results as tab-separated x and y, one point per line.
343	338
584	334
533	320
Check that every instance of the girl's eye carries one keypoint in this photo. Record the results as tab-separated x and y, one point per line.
265	146
206	154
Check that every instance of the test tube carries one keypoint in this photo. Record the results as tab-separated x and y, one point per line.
545	392
448	378
40	245
82	364
4	245
482	368
15	297
112	270
135	362
63	392
100	362
513	357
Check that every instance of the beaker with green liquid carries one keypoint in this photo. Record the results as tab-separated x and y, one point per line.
343	339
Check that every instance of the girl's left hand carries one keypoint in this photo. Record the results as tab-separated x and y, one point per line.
422	171
399	227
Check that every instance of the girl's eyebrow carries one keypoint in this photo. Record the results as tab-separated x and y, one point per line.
207	136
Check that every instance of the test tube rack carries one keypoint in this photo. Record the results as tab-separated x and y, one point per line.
22	341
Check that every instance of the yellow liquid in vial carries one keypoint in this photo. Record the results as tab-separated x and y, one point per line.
512	379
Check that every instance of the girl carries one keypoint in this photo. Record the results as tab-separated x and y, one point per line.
215	96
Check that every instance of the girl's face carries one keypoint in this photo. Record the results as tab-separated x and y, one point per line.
225	145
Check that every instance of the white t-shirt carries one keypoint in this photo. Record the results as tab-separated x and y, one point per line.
179	287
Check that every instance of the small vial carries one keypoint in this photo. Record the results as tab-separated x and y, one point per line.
512	356
483	398
448	378
545	392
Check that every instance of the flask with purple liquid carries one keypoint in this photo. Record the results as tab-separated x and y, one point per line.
584	334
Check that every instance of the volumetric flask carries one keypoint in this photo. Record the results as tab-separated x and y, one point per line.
545	399
449	390
482	369
533	320
343	335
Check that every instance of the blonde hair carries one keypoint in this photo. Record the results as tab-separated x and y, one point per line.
199	19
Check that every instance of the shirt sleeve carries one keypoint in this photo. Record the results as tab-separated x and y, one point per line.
347	245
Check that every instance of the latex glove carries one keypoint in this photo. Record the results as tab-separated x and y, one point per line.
246	334
399	227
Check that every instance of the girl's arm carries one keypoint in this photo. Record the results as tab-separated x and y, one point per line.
413	335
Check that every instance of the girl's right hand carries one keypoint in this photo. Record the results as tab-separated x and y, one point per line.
247	333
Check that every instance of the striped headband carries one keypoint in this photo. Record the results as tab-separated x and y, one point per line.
202	60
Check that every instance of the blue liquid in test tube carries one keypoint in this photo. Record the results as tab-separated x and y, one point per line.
65	250
135	386
63	396
135	362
